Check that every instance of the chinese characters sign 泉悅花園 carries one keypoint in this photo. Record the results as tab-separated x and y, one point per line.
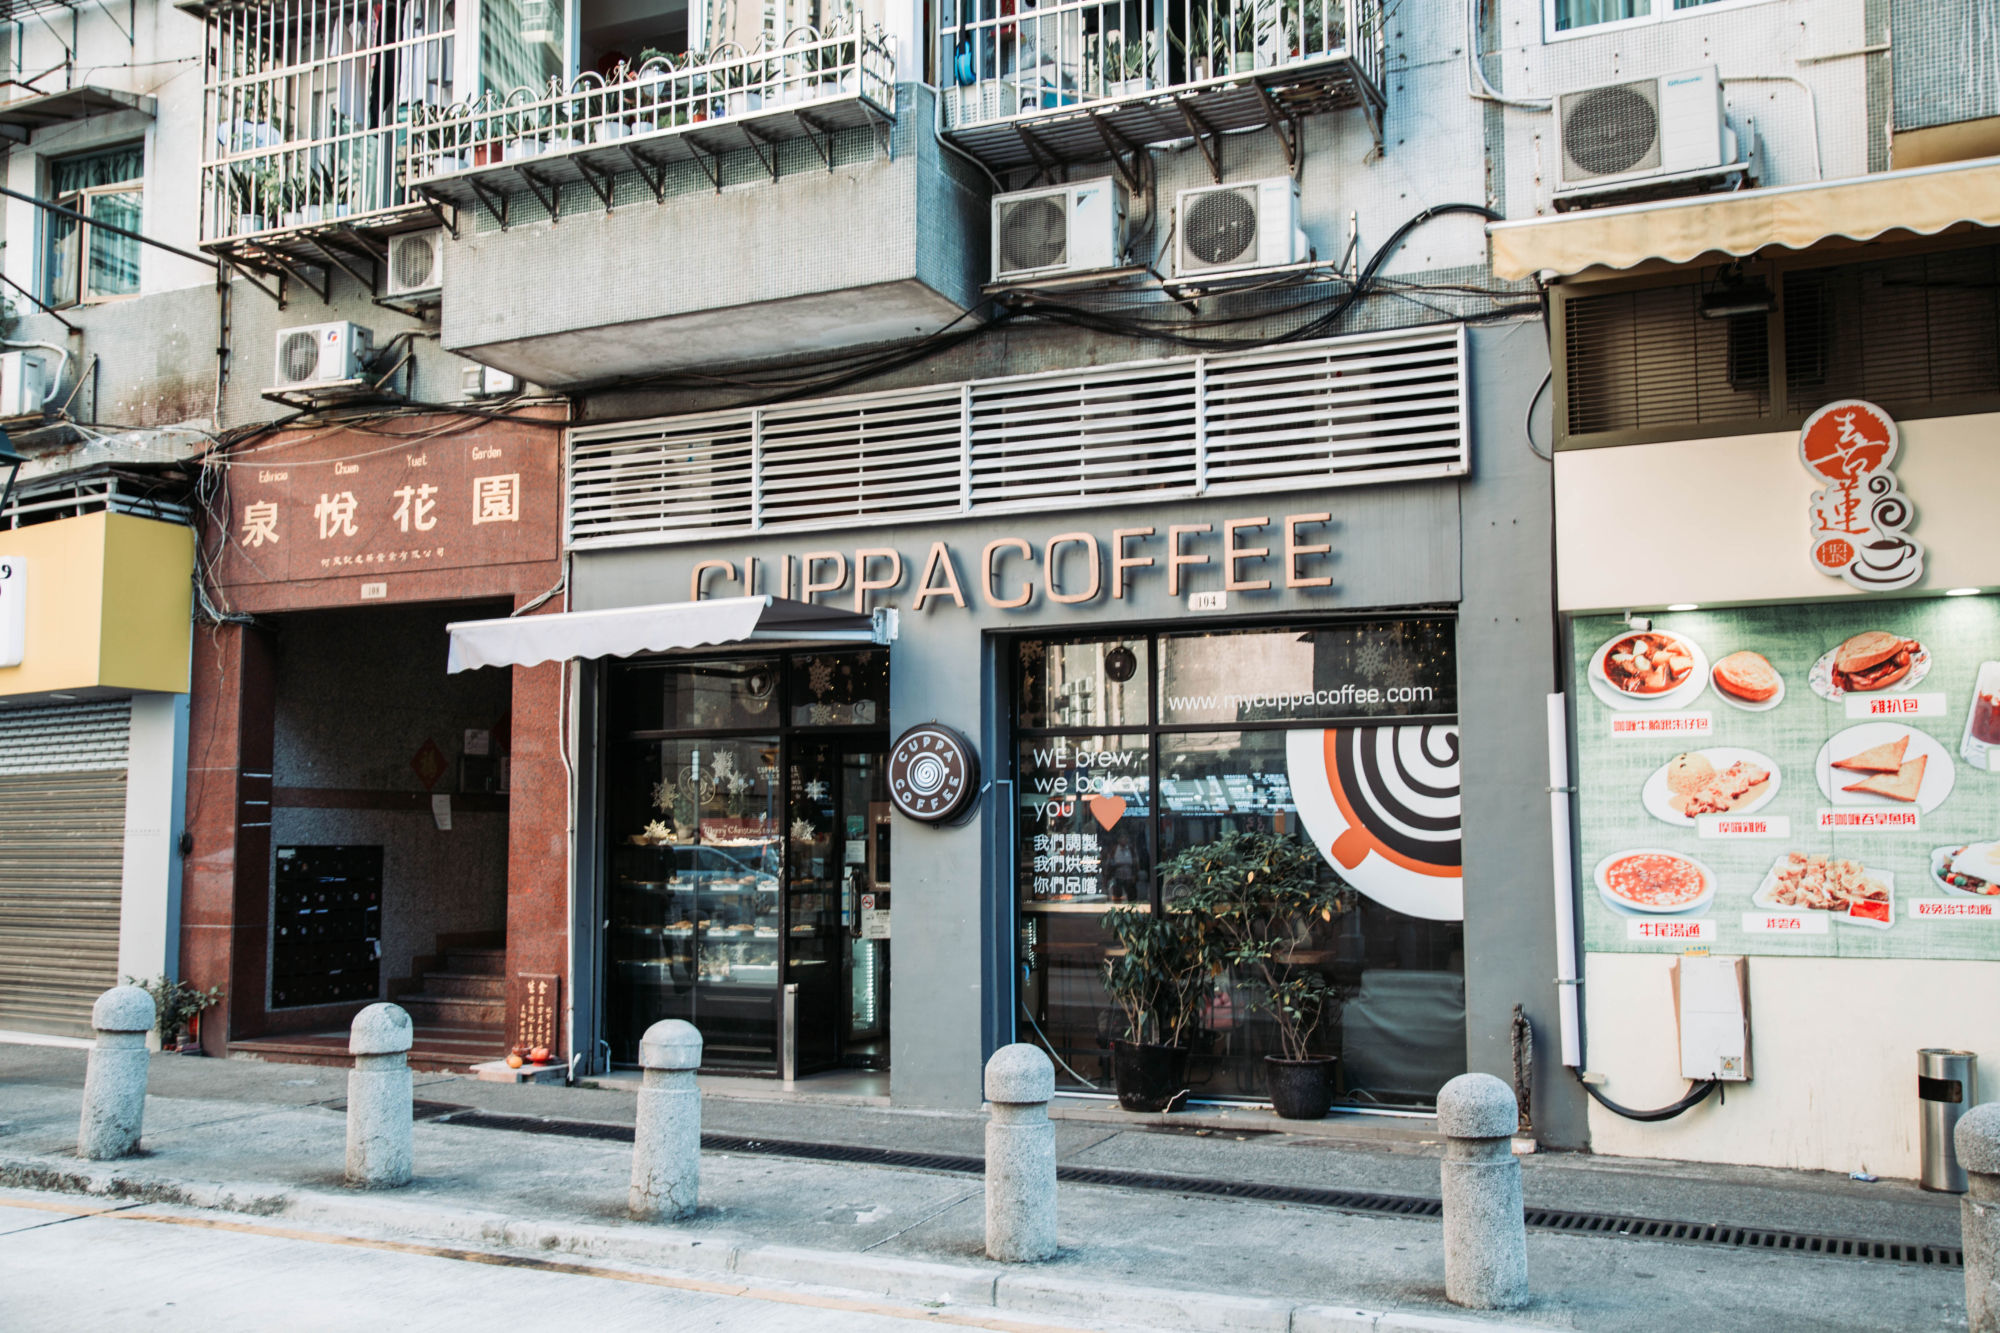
450	504
1858	520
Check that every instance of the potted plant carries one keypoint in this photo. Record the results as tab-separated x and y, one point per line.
1160	978
1260	898
249	189
1129	64
177	1007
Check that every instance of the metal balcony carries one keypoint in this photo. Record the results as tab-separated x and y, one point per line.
1083	80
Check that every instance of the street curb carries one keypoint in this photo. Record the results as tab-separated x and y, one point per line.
914	1281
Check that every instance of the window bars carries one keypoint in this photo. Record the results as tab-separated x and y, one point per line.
998	59
308	105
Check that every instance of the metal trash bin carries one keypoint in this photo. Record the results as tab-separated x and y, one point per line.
1945	1091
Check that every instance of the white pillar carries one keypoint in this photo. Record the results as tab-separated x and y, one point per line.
378	1098
114	1084
1020	1156
149	900
666	1139
1485	1235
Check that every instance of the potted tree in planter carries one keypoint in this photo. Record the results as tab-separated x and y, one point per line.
176	1006
1160	979
1259	897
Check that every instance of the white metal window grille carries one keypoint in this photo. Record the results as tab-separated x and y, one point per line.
308	105
1350	411
83	737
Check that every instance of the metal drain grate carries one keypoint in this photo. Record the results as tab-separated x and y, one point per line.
1352	1201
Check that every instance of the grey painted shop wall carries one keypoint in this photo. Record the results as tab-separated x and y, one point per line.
1395	546
1506	668
357	693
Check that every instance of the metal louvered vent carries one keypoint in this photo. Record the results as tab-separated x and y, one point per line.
1340	411
1610	131
65	738
1642	359
1034	233
298	356
1221	225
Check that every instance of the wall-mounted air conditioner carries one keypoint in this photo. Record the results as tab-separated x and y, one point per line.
486	382
24	384
1222	228
322	354
1621	136
1061	229
416	263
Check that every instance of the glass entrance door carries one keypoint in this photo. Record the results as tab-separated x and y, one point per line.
834	902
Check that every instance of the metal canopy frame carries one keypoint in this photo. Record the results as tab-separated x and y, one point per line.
1273	100
498	185
20	119
308	255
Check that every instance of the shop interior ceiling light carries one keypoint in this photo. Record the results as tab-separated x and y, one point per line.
1685	606
1962	592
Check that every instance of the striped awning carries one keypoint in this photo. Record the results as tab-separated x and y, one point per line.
628	630
1920	200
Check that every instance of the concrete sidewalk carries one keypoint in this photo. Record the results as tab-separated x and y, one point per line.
263	1139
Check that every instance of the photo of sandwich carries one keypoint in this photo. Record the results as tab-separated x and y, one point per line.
1749	681
1972	870
1884	764
1709	782
1871	661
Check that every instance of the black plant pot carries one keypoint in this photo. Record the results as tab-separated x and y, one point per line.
1148	1078
1300	1089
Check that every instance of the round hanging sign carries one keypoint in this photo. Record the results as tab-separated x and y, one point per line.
933	773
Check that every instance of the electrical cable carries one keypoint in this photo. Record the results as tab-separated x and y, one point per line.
1050	1047
1528	421
1696	1092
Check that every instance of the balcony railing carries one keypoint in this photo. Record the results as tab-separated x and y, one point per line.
533	141
1006	66
307	111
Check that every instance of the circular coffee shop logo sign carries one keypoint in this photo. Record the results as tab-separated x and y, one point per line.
933	773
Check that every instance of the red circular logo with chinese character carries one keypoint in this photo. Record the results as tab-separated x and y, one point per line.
933	773
1847	440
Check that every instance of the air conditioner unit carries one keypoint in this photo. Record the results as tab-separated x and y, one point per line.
1222	228
1643	131
24	384
416	263
486	382
1071	228
322	354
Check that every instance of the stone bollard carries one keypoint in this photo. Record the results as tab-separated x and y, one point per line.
114	1083
1485	1237
666	1139
1020	1156
378	1098
1978	1142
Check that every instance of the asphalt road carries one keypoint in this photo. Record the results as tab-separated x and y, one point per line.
76	1264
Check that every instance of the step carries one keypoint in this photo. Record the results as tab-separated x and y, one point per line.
434	1049
459	1011
480	984
484	962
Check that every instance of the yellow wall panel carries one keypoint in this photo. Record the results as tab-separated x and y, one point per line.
109	604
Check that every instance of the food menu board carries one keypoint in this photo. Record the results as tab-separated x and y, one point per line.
1818	780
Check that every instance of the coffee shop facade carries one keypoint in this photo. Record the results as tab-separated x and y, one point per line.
1300	591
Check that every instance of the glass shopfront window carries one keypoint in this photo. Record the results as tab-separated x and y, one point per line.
748	847
1132	750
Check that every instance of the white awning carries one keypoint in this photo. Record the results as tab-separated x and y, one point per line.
532	640
1918	200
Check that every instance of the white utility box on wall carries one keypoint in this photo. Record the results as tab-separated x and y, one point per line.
1712	1009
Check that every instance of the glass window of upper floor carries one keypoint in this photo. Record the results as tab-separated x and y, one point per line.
82	259
1571	18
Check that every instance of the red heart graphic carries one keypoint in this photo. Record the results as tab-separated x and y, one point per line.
1107	810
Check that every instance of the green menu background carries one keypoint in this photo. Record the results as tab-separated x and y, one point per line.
1960	632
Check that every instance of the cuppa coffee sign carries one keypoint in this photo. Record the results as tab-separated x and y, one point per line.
13	610
1858	518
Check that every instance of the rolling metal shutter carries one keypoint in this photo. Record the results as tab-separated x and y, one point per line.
62	859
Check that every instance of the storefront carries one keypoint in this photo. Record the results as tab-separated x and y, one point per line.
366	825
95	620
1784	741
1108	680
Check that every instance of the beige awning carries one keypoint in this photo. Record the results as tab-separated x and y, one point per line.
1920	200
